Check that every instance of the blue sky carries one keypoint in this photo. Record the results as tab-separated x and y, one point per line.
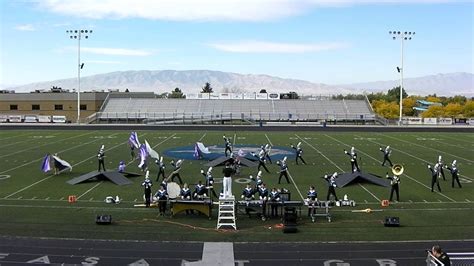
333	42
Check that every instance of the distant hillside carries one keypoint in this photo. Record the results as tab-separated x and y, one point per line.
191	81
188	81
442	84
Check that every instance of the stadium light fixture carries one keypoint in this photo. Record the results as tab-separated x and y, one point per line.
78	34
403	36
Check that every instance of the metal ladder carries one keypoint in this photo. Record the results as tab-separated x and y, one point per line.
226	213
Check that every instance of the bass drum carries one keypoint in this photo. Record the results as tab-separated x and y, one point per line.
173	190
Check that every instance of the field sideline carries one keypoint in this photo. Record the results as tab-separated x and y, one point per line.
35	204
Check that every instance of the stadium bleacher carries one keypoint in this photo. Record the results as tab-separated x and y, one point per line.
157	110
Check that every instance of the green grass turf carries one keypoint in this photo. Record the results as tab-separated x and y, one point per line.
35	204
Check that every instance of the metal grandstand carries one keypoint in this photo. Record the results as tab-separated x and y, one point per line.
202	111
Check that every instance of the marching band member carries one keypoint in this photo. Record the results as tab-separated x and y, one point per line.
57	165
454	173
263	195
274	199
299	152
395	183
312	198
185	194
440	167
236	165
121	167
261	161
331	185
266	151
258	181
353	156
175	173
248	193
162	197
228	171
209	182
283	170
434	176
147	184
263	192
161	168
132	152
228	146
100	158
199	191
386	153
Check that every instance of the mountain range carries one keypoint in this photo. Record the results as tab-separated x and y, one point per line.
191	81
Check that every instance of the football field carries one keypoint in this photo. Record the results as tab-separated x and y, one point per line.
33	203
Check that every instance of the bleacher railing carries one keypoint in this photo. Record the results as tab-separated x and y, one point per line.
250	117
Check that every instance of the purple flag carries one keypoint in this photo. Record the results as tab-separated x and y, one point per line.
45	166
196	151
133	140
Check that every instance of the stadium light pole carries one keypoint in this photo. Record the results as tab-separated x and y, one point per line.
402	36
78	34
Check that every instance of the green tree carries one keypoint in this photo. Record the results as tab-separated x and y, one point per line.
207	88
458	99
176	93
394	94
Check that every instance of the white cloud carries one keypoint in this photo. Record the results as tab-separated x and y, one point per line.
204	10
25	27
115	51
274	47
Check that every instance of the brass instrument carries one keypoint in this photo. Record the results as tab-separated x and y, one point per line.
397	169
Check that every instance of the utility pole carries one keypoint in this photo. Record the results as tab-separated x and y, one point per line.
78	34
402	36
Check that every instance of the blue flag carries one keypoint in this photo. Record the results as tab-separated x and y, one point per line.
45	166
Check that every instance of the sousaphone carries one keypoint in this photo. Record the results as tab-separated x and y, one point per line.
397	169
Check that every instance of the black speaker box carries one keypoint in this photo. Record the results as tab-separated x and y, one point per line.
290	229
392	221
103	219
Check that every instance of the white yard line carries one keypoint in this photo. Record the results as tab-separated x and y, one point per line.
38	160
426	147
90	189
36	147
202	137
337	166
16	136
416	157
457	139
292	180
16	143
235	138
381	162
447	144
127	163
50	176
